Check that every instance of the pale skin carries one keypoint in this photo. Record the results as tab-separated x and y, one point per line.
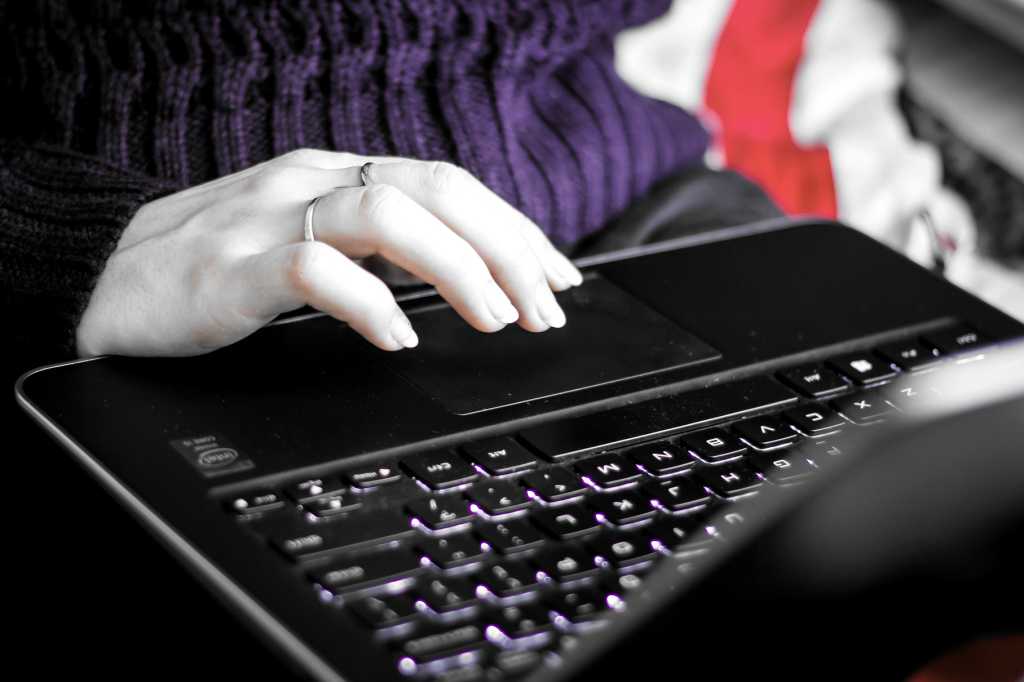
205	267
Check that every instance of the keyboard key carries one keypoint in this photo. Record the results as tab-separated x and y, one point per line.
255	503
311	489
516	627
387	610
324	507
554	485
452	551
730	480
909	395
620	550
440	647
679	535
620	509
508	579
626	582
652	418
367	571
303	540
565	522
499	456
447	595
579	607
953	339
814	381
661	458
714	445
508	537
863	368
782	468
909	355
566	563
863	408
678	494
608	471
439	470
498	497
814	419
373	476
441	511
766	432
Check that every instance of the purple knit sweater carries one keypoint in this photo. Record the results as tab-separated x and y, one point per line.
117	102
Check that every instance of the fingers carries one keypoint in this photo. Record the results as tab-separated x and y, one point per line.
381	219
522	261
311	273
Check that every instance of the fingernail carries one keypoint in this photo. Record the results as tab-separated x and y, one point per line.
548	307
401	331
501	308
567	270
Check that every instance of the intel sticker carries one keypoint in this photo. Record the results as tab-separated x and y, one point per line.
212	455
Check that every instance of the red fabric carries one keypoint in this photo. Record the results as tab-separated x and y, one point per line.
749	91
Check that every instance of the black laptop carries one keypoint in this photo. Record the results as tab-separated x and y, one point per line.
473	508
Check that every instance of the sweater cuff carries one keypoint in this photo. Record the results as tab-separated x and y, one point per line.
61	216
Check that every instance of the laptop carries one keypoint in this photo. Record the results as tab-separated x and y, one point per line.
474	508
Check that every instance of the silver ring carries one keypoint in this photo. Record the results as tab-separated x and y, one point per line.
307	224
364	173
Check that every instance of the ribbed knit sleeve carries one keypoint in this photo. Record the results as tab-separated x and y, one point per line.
61	215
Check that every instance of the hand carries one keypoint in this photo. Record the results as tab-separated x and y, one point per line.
203	268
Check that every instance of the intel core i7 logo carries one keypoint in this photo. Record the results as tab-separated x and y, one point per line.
212	455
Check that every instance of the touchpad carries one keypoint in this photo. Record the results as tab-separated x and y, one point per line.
610	336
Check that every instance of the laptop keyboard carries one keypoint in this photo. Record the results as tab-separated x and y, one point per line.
487	560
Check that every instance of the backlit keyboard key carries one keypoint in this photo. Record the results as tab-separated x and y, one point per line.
863	368
517	627
714	445
452	551
566	563
567	521
508	537
499	456
310	489
439	470
498	497
679	535
661	458
620	509
367	571
442	511
730	480
580	606
324	507
782	468
766	432
255	503
608	471
373	476
863	408
621	550
953	339
554	485
815	381
445	595
909	355
677	494
303	540
386	611
813	419
508	579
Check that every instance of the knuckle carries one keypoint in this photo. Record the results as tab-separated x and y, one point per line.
273	181
301	265
300	156
443	177
375	201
